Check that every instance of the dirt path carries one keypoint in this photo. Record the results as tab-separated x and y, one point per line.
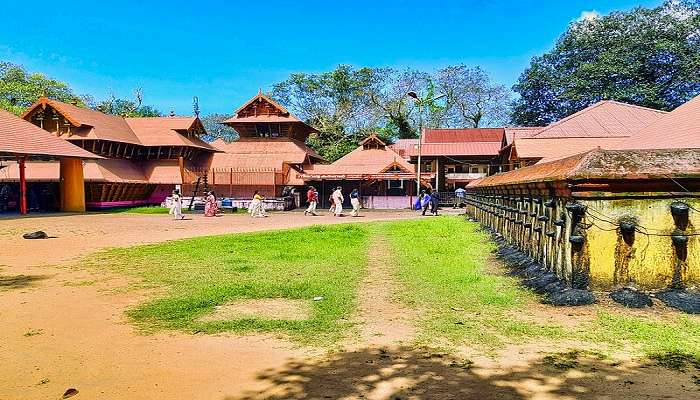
66	329
384	320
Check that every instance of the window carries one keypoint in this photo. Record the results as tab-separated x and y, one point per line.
396	184
475	170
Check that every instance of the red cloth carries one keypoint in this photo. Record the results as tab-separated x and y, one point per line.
311	195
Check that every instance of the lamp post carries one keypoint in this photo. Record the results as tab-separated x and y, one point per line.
420	103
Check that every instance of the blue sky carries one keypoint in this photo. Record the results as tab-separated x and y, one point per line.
223	51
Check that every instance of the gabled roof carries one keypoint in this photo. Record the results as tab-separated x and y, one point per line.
550	149
20	137
263	110
678	129
168	131
520	132
603	119
405	147
263	153
365	160
90	124
462	135
261	96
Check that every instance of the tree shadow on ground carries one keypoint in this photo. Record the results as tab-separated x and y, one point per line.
9	282
418	374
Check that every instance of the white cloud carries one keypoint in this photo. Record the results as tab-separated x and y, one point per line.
588	15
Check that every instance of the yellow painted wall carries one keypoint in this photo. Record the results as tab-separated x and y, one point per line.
72	185
653	262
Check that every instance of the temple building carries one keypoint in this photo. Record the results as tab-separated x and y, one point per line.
141	160
21	142
382	176
605	124
268	156
455	156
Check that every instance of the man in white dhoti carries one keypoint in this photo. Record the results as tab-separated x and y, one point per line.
176	205
338	201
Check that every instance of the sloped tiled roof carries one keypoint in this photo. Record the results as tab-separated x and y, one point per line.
466	135
678	129
520	132
21	137
404	147
163	131
550	149
90	124
365	161
460	149
602	164
603	119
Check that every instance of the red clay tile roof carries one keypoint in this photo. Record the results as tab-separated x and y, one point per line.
404	147
90	124
550	149
602	164
467	135
603	119
520	132
459	149
678	129
19	137
163	131
364	161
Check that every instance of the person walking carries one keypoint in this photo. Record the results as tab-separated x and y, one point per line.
211	209
355	201
460	197
312	198
425	201
434	202
338	199
176	205
257	207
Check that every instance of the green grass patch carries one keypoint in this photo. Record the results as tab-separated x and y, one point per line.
443	264
680	335
199	274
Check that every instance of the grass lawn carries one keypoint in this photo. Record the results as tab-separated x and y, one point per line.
199	274
441	264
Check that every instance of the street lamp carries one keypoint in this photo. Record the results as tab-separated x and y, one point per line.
421	102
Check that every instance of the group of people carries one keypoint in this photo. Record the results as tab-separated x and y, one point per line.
211	208
427	200
336	200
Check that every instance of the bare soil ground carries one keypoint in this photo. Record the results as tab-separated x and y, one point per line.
63	328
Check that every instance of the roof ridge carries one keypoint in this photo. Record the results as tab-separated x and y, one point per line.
574	115
636	106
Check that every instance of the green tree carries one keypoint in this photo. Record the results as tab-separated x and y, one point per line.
125	107
217	130
19	89
648	57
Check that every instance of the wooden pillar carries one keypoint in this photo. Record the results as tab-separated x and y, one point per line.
230	183
72	185
22	185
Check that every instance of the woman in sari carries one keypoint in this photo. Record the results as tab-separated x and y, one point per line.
176	205
257	208
210	206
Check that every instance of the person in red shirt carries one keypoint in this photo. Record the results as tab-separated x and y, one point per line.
312	198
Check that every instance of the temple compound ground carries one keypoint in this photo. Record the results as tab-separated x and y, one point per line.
388	306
